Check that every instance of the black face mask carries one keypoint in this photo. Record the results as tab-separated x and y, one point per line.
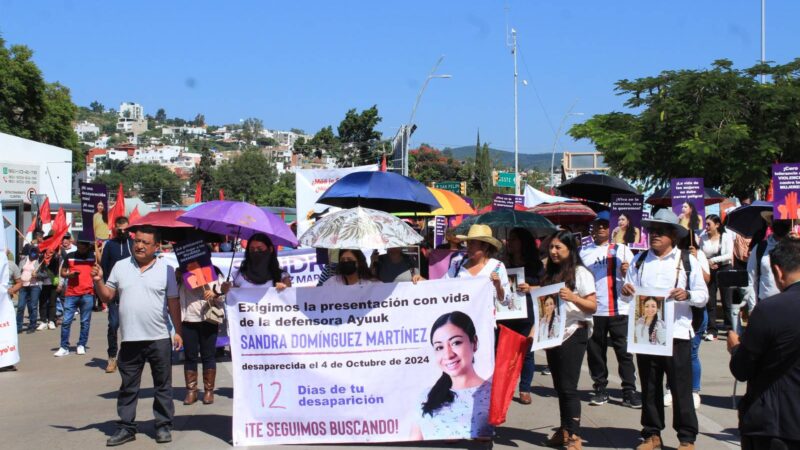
257	267
121	234
347	267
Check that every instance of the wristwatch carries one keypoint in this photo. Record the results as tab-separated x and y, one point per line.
688	296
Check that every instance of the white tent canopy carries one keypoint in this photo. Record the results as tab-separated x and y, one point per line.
535	197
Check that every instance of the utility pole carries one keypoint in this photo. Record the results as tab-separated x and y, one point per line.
513	46
160	197
763	37
408	129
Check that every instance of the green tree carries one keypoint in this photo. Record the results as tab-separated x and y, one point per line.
248	176
482	181
282	193
718	123
97	107
199	120
204	173
323	142
297	131
148	181
358	138
161	115
251	129
428	165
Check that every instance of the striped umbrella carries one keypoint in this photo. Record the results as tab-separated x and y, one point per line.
452	205
565	213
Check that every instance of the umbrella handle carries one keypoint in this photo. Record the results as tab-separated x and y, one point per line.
233	254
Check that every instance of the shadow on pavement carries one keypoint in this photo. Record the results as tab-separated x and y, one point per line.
729	434
719	401
513	437
612	437
215	425
108	427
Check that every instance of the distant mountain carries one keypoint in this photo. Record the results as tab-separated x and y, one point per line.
538	161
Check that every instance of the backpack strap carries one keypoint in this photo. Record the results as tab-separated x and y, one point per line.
761	249
611	277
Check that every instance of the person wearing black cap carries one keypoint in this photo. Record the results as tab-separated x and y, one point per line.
609	262
664	266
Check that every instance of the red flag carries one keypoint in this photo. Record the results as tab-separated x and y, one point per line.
134	214
383	163
222	194
770	192
198	193
119	207
283	216
44	211
54	241
32	226
511	348
60	220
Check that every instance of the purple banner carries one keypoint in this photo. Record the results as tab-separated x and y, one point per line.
626	220
194	261
507	201
439	230
688	202
785	187
439	261
94	211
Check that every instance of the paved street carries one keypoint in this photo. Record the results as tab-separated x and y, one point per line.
69	402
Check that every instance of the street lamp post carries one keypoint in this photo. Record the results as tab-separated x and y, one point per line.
407	128
516	113
555	141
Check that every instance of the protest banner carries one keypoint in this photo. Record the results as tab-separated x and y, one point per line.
507	201
194	261
439	230
94	211
514	306
650	322
786	186
9	346
300	264
550	317
440	260
311	184
626	220
586	241
688	202
354	364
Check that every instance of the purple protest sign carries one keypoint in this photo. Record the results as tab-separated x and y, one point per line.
785	187
626	220
194	261
507	201
688	203
439	229
94	211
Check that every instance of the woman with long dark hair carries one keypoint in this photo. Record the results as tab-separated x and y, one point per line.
260	265
689	218
650	329
457	404
521	251
564	265
548	328
717	244
100	222
351	269
625	232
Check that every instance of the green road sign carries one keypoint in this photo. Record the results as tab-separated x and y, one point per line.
452	186
506	179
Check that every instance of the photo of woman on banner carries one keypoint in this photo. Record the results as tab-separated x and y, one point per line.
260	267
625	232
457	406
548	319
689	218
100	221
650	327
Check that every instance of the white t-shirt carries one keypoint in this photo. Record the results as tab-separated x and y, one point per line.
597	259
584	285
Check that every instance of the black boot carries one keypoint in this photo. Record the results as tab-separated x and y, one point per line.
122	436
163	435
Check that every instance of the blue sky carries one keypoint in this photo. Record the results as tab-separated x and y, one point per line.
303	64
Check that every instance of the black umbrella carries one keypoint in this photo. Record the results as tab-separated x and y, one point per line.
537	224
746	220
596	187
663	197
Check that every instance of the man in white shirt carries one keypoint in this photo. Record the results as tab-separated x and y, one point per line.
761	281
609	263
663	266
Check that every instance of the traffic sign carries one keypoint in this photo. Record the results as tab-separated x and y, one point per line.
506	179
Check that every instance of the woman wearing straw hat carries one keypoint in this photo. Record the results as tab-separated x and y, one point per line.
481	247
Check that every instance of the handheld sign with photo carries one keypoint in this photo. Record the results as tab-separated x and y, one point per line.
626	221
550	317
786	187
194	261
688	202
507	201
94	211
650	322
515	305
439	230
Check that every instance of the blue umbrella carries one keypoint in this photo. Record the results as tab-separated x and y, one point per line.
384	191
746	220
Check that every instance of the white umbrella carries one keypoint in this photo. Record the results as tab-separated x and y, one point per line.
360	228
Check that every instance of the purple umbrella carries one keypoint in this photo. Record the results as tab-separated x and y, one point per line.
239	219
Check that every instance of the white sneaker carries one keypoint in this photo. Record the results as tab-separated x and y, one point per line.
668	399
81	350
51	325
61	352
696	398
42	326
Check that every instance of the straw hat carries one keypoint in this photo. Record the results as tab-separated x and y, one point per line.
483	233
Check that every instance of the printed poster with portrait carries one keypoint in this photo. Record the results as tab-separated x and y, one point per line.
650	322
626	221
550	317
688	202
515	305
94	211
381	362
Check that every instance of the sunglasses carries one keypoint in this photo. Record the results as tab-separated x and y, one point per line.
658	231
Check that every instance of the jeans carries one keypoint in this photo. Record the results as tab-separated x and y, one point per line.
199	337
678	369
711	306
47	303
83	303
113	326
697	368
132	357
28	296
596	352
565	365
